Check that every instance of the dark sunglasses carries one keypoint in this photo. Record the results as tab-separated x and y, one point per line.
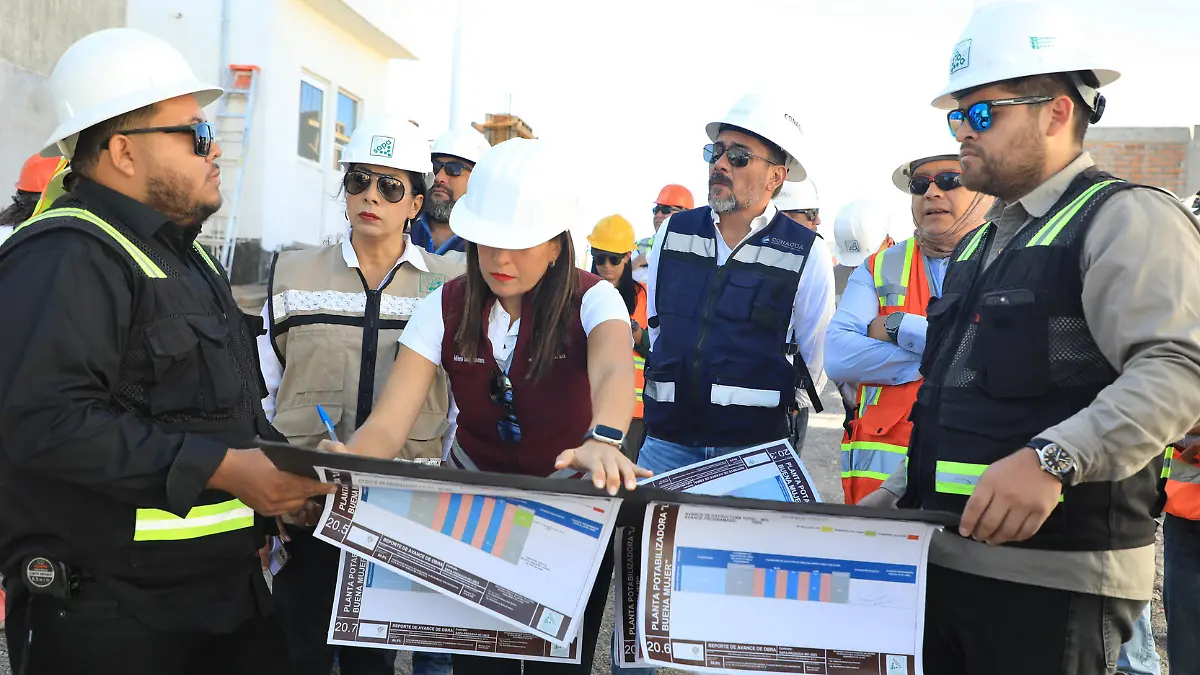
979	115
357	181
606	258
454	168
202	135
738	156
664	210
945	181
501	391
811	214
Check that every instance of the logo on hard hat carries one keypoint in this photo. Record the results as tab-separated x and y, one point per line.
382	146
794	122
852	245
1041	42
961	57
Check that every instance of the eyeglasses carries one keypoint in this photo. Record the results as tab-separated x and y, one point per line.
501	391
945	181
606	258
202	135
811	214
454	168
979	115
358	180
738	155
664	210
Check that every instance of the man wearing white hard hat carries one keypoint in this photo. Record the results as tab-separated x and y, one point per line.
455	154
1061	358
877	335
128	490
538	354
334	315
739	298
799	201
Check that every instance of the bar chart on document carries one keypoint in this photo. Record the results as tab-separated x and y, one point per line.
737	591
495	526
528	562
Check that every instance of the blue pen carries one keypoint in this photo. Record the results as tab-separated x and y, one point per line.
328	424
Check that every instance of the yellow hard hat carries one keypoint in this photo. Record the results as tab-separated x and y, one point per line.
613	234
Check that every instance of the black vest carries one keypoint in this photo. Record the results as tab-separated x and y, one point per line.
190	365
1009	354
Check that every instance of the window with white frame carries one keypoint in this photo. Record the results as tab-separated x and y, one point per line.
312	104
344	125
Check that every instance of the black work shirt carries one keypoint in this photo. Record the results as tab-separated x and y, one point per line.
69	303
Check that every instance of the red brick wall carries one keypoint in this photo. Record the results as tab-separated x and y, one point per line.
1161	164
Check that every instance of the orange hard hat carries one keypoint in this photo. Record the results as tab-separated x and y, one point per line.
37	172
676	195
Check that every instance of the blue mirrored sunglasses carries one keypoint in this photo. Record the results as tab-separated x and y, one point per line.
979	115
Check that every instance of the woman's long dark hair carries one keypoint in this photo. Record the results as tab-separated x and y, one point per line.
626	286
553	306
21	209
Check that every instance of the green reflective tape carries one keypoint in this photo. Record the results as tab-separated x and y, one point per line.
866	474
201	521
139	258
207	259
974	243
961	468
1051	229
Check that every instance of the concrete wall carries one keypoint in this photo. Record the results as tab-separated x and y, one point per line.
33	34
1168	157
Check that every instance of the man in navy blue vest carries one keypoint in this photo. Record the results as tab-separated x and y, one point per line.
739	299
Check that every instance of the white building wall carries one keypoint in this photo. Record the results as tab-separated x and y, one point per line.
286	199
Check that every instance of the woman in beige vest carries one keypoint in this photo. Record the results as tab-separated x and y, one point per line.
334	317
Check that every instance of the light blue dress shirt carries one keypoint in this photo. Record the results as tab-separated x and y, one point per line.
851	356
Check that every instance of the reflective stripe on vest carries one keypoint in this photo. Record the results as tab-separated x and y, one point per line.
973	243
1045	236
639	364
663	392
870	459
201	521
142	260
1182	487
1181	471
892	272
960	478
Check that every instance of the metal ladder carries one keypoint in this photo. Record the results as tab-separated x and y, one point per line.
234	118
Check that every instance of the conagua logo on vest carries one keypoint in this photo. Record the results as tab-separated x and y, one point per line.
382	146
961	57
783	243
1041	42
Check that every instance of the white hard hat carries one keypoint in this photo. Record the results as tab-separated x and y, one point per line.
465	144
771	120
859	230
905	171
797	196
1019	39
388	140
518	197
113	72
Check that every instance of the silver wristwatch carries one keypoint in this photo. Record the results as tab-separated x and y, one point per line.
1054	460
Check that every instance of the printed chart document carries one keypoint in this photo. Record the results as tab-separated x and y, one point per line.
771	471
728	590
378	608
528	559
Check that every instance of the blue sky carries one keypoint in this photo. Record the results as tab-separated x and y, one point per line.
629	84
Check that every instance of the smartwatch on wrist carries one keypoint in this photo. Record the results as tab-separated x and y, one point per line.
892	325
607	435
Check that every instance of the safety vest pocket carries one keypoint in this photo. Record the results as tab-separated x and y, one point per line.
939	317
661	379
678	291
736	301
1013	343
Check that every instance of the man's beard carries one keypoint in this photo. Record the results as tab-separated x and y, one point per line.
438	208
166	192
1013	174
723	204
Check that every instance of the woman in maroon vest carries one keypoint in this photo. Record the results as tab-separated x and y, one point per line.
538	352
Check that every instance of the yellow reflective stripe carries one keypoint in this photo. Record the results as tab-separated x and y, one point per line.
866	474
908	258
962	468
141	259
1050	230
877	274
1168	458
204	254
201	521
54	188
959	478
639	363
873	445
974	243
